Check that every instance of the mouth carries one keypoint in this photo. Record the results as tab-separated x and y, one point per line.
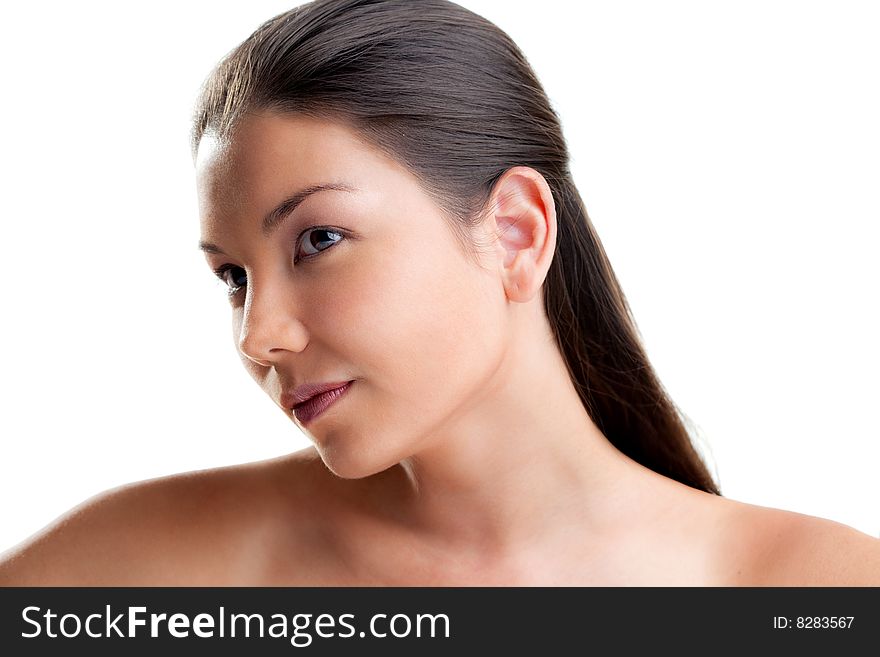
315	406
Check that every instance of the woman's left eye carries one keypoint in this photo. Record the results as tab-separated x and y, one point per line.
314	237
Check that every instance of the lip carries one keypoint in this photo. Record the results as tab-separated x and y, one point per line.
311	408
306	391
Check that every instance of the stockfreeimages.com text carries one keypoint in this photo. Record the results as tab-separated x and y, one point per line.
135	621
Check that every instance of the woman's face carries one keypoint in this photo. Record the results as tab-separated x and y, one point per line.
364	282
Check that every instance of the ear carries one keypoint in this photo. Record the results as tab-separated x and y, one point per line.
523	217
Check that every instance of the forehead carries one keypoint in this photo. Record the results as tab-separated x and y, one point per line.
269	155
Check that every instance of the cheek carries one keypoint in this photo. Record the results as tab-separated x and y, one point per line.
258	373
426	328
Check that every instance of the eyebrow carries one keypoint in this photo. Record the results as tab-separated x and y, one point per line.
281	211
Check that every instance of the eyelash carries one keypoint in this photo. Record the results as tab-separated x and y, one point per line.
220	272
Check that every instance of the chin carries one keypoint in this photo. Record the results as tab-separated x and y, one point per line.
348	463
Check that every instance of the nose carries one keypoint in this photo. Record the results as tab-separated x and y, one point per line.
268	328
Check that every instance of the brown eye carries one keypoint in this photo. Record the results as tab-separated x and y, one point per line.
234	277
312	239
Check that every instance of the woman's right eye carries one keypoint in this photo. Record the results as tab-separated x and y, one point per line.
234	277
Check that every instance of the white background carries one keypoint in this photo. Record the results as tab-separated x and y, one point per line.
727	154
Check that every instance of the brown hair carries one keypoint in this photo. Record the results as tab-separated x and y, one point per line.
450	96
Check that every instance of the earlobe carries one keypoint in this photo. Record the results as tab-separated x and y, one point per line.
525	221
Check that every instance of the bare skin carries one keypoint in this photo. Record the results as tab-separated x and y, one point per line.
461	455
290	522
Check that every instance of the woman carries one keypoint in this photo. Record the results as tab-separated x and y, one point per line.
413	279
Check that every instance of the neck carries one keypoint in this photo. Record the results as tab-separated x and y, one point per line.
523	462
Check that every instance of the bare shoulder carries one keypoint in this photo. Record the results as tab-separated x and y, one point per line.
774	547
194	528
